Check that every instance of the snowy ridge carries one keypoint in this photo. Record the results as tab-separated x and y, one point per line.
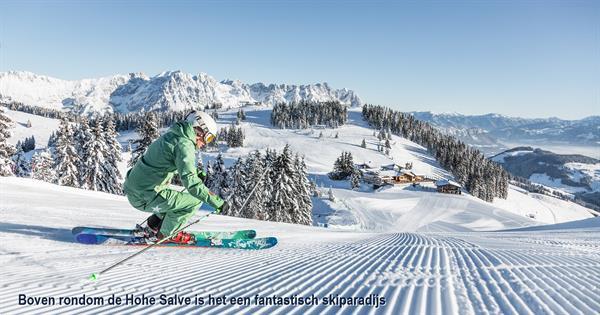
173	90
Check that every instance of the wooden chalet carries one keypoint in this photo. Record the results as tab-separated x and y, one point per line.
448	187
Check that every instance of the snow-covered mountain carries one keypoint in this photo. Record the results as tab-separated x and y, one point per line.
499	128
173	90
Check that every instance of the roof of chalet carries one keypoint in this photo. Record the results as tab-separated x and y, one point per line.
444	182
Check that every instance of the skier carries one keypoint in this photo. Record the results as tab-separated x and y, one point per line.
147	182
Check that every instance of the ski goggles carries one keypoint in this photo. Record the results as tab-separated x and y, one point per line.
205	134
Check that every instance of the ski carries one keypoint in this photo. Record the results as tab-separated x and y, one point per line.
240	234
256	243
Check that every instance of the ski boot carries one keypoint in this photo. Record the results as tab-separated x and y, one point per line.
182	237
151	230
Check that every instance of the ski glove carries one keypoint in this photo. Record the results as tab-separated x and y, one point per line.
224	207
203	176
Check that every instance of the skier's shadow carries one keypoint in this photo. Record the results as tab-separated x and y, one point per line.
56	234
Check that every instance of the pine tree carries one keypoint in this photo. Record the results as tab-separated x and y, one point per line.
239	188
241	115
148	132
113	156
210	176
28	144
343	167
219	180
42	166
6	149
269	184
52	139
82	136
94	175
283	203
363	144
67	158
256	207
303	215
22	166
355	179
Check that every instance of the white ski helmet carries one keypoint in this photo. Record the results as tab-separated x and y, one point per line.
203	121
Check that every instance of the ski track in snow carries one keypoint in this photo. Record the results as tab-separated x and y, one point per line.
483	273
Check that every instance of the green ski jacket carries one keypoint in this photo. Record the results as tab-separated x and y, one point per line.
173	152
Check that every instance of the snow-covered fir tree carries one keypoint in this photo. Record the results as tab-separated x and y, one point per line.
219	182
280	184
66	157
330	195
355	179
241	115
239	187
83	134
42	166
343	167
363	144
6	149
22	166
257	176
233	136
94	175
304	114
113	155
283	203
28	144
302	186
52	139
208	169
148	132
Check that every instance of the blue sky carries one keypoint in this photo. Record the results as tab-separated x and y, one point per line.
520	58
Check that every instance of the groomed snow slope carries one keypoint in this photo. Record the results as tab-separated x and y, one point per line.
417	273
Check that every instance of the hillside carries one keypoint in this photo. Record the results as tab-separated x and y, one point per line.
571	174
399	208
170	90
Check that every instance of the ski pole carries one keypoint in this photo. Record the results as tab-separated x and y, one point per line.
94	276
